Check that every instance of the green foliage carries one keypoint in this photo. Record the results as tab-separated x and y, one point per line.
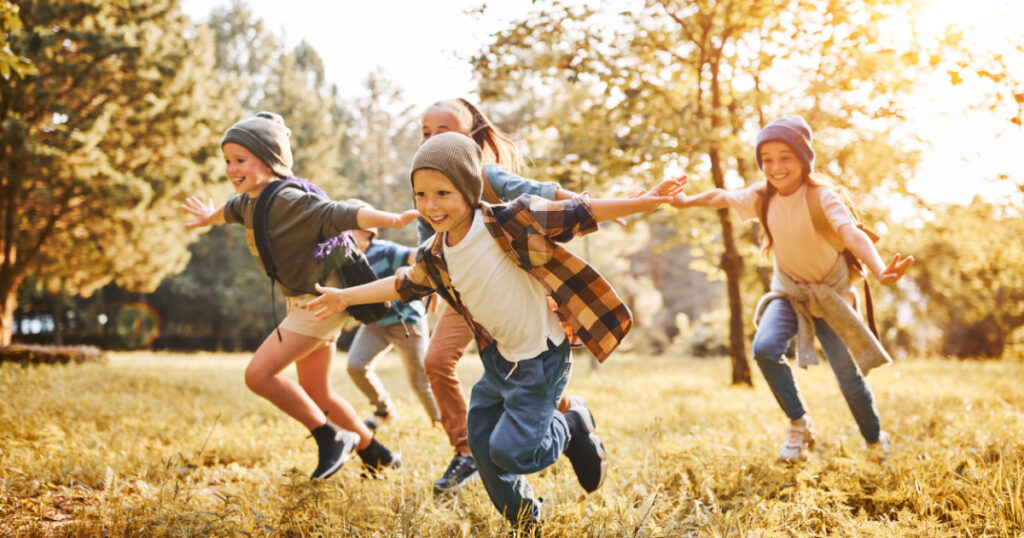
101	145
10	62
684	86
970	280
176	445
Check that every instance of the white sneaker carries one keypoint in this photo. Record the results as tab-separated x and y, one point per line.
799	441
881	449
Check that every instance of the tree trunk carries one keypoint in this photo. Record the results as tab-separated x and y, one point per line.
732	265
9	296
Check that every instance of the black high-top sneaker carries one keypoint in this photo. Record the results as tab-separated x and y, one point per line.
377	457
335	447
585	449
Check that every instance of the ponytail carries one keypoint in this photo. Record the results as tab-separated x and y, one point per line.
490	139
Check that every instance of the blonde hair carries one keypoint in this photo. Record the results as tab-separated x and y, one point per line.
497	146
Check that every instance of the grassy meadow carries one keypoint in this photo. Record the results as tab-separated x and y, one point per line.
174	444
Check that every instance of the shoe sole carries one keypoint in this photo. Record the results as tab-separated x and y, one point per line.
588	422
458	485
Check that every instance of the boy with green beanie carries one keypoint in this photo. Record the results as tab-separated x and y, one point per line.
497	265
256	152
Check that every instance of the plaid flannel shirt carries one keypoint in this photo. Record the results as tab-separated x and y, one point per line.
528	230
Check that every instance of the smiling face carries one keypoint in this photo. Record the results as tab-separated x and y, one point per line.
441	204
441	119
246	171
781	167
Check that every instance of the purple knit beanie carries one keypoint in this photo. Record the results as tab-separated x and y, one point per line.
792	131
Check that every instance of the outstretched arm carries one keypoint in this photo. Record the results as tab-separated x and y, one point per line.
712	198
206	214
334	300
642	202
860	244
373	218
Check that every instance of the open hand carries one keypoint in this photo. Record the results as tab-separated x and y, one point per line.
330	302
664	193
204	213
405	218
671	187
895	270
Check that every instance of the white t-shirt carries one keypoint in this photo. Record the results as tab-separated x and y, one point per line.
502	297
799	250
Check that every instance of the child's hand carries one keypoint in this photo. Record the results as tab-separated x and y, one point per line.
664	193
671	187
682	200
895	270
330	302
204	213
404	218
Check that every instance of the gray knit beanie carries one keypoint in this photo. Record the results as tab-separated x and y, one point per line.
266	136
457	157
792	131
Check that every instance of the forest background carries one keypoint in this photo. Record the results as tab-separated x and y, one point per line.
111	113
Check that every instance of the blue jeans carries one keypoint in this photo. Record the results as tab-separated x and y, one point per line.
515	427
778	326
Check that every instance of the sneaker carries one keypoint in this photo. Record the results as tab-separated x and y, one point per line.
881	449
377	457
585	449
799	441
462	469
335	448
378	420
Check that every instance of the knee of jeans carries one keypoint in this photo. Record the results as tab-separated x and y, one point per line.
764	355
357	369
439	364
853	384
515	459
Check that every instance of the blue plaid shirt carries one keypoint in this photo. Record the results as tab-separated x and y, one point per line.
385	258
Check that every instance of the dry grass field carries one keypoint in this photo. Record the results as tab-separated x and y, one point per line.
174	444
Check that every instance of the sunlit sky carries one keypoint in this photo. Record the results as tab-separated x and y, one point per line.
424	47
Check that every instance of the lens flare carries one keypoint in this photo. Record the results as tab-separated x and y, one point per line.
137	324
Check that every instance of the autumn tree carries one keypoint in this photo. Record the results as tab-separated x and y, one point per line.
685	85
11	63
99	147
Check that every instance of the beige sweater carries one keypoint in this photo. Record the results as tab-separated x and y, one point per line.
826	298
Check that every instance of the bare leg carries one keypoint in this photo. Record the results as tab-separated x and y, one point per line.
315	380
263	376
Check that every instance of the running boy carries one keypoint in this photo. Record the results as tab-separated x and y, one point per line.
403	328
496	265
257	151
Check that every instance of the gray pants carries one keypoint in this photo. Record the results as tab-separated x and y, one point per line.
372	341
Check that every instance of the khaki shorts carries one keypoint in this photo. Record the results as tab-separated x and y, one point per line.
302	321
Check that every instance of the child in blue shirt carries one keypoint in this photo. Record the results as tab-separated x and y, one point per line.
404	328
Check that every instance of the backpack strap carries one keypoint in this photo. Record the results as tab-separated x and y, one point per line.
824	227
489	195
821	223
262	238
260	232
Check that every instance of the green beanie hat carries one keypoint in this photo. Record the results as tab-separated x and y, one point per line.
266	136
457	157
